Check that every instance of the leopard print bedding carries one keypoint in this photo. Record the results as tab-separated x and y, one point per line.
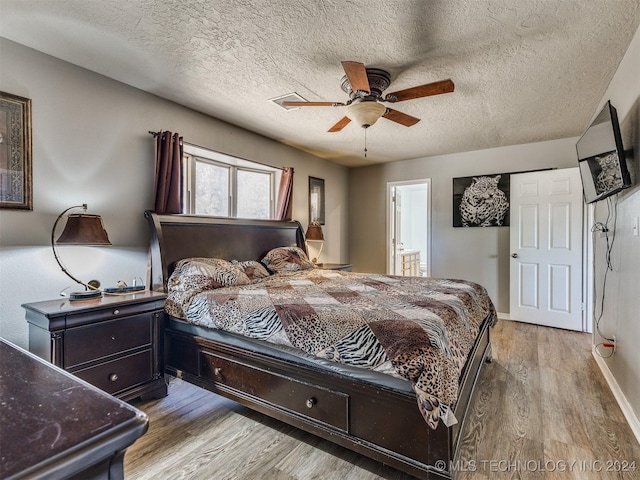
416	328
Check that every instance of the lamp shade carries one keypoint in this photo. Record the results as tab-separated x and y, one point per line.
84	229
314	232
365	114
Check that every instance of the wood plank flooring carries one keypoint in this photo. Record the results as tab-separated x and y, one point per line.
542	410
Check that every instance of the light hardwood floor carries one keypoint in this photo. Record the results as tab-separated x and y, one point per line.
541	410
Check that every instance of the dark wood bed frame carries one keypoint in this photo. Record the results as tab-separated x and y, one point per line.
377	422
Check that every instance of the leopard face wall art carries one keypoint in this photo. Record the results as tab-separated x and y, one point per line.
483	203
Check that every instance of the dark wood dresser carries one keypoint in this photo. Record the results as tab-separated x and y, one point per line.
114	342
54	425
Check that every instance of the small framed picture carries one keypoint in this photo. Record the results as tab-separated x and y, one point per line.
316	200
15	152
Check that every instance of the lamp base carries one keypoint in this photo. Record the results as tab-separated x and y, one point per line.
88	295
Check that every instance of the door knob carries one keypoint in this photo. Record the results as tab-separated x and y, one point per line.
515	255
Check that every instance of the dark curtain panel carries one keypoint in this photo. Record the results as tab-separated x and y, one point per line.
285	195
169	150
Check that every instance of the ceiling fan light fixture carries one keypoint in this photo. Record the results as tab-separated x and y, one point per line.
365	114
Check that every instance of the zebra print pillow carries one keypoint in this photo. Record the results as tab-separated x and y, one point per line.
287	259
194	275
223	272
252	269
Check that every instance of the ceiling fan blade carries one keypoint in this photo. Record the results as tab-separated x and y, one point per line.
312	104
399	117
357	75
344	121
435	88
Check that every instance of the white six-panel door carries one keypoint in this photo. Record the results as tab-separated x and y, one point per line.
546	248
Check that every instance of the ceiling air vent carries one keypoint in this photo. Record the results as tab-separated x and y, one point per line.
289	97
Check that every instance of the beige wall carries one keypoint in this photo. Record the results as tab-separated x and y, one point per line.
90	145
621	316
477	254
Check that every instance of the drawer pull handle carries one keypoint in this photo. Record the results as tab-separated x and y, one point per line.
113	337
217	371
311	402
116	312
113	377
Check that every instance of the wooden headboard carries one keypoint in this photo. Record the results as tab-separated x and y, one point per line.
174	237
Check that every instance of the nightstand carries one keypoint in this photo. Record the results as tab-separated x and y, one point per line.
114	342
346	267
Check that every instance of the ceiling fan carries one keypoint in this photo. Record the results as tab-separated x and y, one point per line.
364	87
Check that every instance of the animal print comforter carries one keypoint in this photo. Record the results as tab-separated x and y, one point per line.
419	329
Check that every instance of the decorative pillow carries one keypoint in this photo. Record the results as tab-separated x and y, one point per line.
221	272
252	269
287	259
194	275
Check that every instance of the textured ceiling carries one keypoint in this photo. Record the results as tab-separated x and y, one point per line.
524	70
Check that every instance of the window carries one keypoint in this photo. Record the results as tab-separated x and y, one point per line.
225	186
211	188
254	194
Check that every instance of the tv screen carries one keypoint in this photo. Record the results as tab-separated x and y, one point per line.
603	167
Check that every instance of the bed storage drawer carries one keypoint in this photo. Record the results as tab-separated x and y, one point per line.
321	404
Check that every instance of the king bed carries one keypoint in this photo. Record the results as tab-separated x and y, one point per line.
382	365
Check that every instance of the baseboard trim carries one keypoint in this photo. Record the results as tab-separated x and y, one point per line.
627	411
504	316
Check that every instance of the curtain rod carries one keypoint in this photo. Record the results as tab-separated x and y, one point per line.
155	134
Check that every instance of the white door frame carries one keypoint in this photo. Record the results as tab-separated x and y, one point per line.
390	207
588	268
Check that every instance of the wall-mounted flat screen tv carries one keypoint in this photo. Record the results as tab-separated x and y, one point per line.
601	157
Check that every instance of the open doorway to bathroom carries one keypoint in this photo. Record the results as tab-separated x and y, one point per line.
409	228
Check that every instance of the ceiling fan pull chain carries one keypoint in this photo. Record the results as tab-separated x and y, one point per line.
365	143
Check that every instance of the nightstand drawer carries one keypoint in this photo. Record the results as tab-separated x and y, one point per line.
92	342
117	375
114	311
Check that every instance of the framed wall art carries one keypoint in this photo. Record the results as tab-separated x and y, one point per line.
316	200
481	201
15	152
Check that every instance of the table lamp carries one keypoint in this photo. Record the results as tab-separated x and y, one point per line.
80	229
314	234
